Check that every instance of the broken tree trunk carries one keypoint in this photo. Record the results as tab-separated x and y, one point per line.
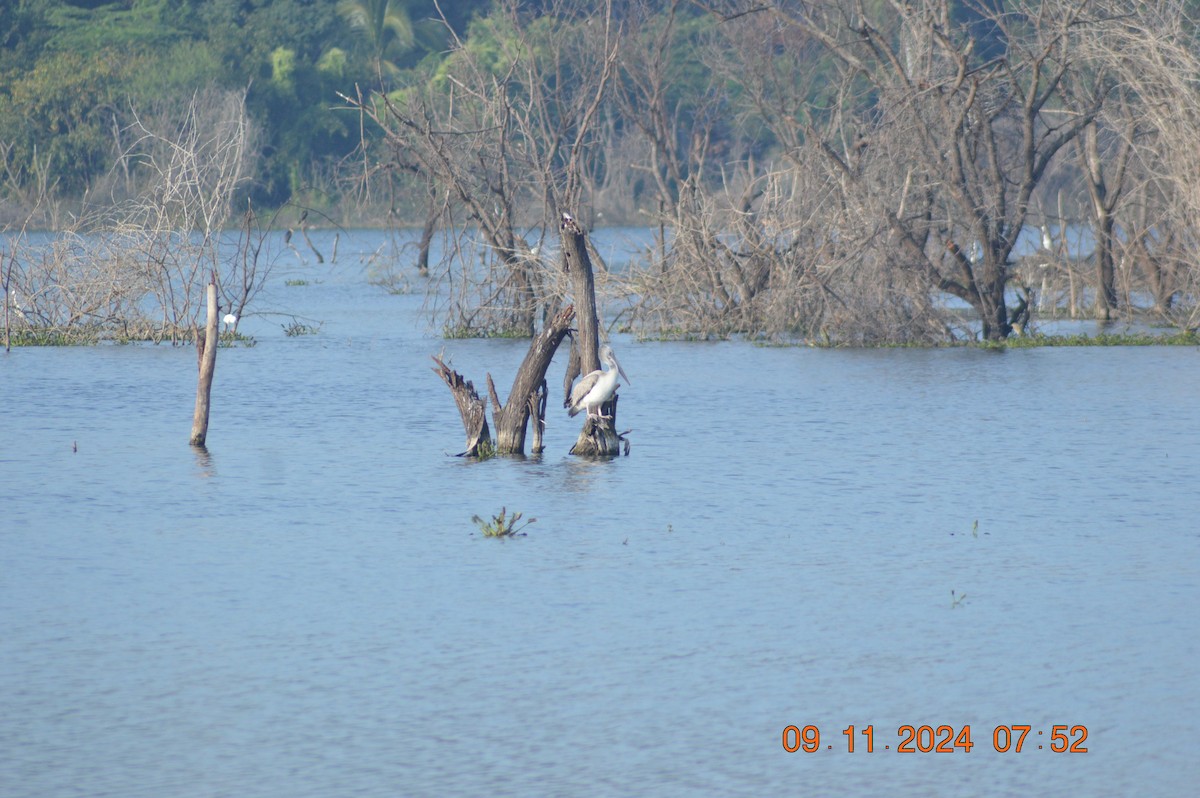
527	397
599	436
207	355
471	407
513	418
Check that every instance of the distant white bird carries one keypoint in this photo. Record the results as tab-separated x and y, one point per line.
567	217
17	304
230	321
594	389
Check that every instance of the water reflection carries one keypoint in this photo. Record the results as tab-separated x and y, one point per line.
206	467
580	474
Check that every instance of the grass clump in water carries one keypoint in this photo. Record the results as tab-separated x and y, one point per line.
53	336
1180	338
464	331
232	338
502	525
297	328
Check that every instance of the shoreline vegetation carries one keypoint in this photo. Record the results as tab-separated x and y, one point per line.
922	174
126	286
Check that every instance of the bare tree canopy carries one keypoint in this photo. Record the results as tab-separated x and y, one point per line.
903	171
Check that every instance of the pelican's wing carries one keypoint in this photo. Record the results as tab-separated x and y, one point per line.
585	384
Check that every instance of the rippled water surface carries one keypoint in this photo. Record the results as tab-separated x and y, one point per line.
308	610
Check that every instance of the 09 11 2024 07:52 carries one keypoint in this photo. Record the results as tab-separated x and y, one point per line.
944	739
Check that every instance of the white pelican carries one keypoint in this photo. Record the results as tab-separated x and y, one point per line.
596	388
230	321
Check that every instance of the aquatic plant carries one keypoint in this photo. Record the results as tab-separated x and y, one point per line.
297	327
466	331
231	338
1176	338
387	276
54	336
502	525
486	450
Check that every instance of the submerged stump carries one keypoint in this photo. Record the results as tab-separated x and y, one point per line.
599	437
526	399
528	396
470	406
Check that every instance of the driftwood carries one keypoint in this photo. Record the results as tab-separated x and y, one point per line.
599	436
206	354
526	398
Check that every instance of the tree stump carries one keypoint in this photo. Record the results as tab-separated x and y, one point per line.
527	396
470	406
599	437
529	392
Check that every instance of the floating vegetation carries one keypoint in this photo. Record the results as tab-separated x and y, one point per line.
957	599
681	334
1178	338
92	334
1175	338
54	336
464	331
295	282
486	450
502	525
232	338
296	328
388	276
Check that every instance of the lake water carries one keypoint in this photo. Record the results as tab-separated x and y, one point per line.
307	609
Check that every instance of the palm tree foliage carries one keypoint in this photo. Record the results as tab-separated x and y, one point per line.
393	32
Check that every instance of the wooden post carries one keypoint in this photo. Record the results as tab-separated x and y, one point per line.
207	355
598	437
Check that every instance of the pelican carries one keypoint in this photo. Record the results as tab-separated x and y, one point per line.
596	388
230	321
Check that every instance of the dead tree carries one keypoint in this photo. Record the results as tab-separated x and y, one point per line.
526	398
599	435
206	352
470	406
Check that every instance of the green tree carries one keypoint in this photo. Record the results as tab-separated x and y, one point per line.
396	33
62	111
